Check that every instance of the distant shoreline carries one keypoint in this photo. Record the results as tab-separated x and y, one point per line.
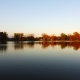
43	41
75	37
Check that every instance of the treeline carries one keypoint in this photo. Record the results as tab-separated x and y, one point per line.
45	37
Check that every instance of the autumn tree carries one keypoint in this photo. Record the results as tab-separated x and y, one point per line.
52	38
63	36
76	36
45	37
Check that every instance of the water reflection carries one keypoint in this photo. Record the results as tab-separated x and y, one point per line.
45	44
34	63
21	45
18	45
3	46
30	44
63	45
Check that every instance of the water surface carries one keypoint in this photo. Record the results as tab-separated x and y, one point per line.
40	61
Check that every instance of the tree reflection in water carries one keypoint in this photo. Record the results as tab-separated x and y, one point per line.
18	45
3	46
45	44
63	45
21	45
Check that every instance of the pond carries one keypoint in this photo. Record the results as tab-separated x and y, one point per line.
40	61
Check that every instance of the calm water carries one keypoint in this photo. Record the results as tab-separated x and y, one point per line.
39	61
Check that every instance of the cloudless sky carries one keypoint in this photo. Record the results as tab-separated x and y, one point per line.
40	16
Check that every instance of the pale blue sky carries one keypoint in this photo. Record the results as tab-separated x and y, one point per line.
40	16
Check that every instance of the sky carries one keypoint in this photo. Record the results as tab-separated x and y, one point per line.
40	16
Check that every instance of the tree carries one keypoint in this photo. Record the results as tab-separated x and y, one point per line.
76	36
30	37
18	36
63	36
45	37
52	38
3	36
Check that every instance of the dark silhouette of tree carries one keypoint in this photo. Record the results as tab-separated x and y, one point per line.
30	37
18	36
3	36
